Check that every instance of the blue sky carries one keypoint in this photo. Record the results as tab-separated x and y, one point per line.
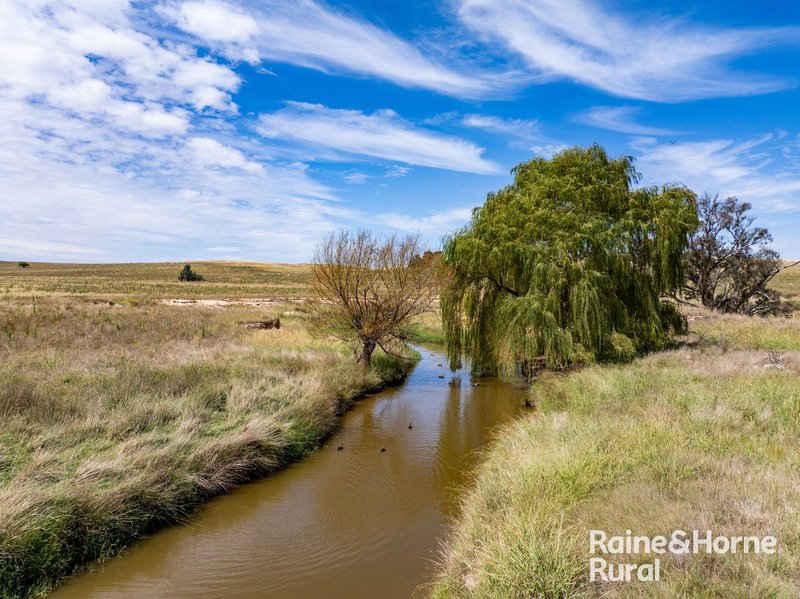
177	130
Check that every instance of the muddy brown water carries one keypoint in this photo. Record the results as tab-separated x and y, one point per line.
351	523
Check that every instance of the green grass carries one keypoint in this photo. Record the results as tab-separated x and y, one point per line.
119	419
703	437
427	328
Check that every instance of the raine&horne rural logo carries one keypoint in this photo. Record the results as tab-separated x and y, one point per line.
680	542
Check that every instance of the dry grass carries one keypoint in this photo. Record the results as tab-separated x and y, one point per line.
739	332
115	420
703	437
135	281
788	283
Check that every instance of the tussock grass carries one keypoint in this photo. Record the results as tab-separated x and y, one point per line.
116	420
703	437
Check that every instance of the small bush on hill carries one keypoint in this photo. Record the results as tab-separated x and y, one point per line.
187	274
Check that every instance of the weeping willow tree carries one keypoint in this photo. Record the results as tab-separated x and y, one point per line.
566	265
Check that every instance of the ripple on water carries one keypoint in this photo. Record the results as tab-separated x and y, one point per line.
352	523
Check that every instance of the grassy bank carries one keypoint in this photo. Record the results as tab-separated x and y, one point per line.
118	419
703	437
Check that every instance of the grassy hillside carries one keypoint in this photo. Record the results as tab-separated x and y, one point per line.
120	281
703	437
788	283
118	419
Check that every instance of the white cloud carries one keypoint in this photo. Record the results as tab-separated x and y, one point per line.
433	224
618	118
520	128
216	21
760	171
644	57
119	145
311	34
382	134
116	145
745	169
355	177
548	150
397	171
211	153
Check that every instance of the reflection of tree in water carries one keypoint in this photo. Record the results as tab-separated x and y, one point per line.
340	523
473	408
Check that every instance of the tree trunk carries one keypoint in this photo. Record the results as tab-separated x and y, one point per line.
365	358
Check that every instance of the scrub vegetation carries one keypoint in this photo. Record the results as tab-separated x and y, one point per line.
705	436
120	415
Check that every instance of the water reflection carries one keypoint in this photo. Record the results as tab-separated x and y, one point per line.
360	522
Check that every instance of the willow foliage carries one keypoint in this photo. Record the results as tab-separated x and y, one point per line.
567	265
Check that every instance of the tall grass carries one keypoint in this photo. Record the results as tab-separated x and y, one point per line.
703	437
115	420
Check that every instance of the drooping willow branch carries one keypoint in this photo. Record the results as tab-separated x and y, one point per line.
567	264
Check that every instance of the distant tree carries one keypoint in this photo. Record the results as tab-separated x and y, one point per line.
187	274
728	262
366	290
23	264
567	264
428	257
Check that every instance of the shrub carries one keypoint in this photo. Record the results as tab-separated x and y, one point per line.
187	274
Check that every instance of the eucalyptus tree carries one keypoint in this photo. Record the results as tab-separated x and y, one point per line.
729	264
567	264
366	290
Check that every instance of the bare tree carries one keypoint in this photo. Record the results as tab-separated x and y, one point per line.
728	264
367	289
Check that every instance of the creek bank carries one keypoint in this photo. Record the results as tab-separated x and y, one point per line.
361	521
704	437
118	423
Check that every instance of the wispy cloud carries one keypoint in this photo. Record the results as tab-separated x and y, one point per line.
645	57
314	35
618	118
382	134
355	177
397	171
759	171
432	224
747	169
526	129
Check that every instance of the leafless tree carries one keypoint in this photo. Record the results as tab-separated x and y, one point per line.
728	263
367	289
